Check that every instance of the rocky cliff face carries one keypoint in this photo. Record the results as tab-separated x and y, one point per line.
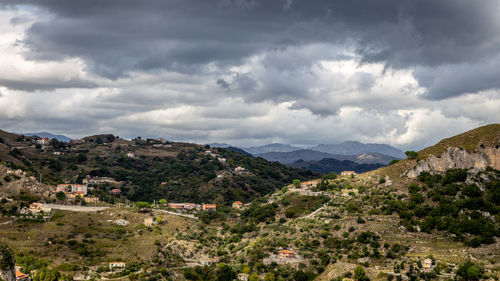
7	264
457	158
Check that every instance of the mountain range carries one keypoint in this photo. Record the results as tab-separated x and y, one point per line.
354	148
49	135
344	148
313	155
273	147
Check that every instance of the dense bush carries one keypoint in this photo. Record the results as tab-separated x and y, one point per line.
461	209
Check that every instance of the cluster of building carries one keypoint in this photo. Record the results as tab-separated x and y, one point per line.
239	169
305	189
215	155
77	191
284	256
37	210
100	181
73	190
43	141
348	173
77	141
117	265
192	206
209	261
307	192
18	172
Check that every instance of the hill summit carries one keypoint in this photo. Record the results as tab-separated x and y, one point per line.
478	148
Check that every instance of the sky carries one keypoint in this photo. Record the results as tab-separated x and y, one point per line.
250	72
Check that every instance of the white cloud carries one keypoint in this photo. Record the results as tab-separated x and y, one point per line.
306	94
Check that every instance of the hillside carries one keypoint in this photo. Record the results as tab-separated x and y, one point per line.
433	227
150	170
478	148
327	165
313	155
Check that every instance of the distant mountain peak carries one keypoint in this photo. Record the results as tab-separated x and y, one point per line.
273	147
356	148
50	136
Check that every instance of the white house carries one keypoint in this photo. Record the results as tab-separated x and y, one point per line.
239	169
117	264
242	276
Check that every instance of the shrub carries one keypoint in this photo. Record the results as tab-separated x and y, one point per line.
469	271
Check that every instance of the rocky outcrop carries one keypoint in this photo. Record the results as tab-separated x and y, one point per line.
458	158
7	264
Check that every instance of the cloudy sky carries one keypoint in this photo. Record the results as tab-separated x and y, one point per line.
250	72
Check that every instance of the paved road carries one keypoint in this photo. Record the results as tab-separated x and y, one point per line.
76	208
179	214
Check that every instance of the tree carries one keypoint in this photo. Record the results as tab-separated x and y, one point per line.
142	205
269	277
163	201
225	272
60	196
47	274
55	143
254	277
411	154
296	183
6	258
300	276
469	272
359	274
81	158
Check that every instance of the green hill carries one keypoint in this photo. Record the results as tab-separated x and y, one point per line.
149	170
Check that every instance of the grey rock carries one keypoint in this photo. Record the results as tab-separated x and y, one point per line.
458	158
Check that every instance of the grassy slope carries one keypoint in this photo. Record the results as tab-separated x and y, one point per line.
31	238
488	135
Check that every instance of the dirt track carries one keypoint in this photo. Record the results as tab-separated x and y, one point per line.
76	208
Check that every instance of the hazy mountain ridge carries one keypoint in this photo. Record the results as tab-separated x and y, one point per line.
273	147
354	148
50	136
344	148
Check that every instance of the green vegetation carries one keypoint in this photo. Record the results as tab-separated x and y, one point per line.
469	272
447	203
411	154
179	173
6	257
298	205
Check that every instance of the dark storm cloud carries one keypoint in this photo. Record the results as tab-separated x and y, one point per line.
45	84
116	37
